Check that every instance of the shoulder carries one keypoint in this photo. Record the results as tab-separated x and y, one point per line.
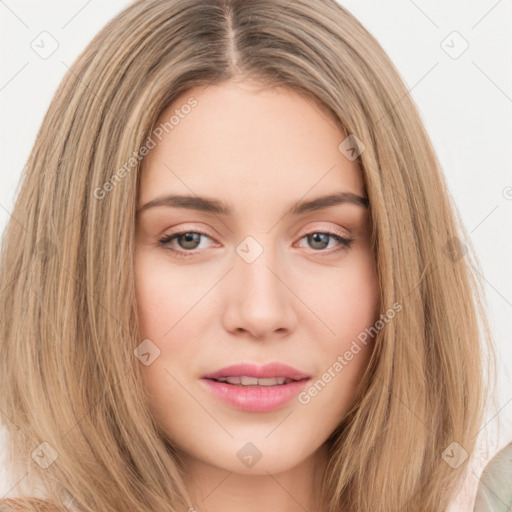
26	505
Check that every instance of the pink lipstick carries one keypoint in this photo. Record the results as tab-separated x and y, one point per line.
253	388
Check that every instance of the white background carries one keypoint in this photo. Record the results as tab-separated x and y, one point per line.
466	104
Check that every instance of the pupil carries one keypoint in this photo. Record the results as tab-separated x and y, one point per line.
322	238
190	237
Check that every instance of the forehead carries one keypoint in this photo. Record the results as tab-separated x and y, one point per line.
273	143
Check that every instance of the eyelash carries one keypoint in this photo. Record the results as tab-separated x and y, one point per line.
345	243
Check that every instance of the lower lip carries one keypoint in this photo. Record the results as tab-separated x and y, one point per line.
255	398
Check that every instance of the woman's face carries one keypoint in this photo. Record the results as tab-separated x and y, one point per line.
258	280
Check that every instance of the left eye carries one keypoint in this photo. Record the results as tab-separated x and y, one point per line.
189	240
319	239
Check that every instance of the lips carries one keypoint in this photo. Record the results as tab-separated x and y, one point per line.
269	371
252	388
254	381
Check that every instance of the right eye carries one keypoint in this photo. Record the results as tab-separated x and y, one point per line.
186	239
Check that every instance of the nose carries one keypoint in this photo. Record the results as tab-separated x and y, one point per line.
259	298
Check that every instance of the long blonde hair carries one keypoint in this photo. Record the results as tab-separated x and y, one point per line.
71	389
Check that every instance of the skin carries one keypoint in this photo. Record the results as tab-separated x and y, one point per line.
300	302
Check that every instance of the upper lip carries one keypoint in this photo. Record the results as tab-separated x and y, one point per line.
269	370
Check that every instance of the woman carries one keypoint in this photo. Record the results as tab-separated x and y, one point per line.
235	278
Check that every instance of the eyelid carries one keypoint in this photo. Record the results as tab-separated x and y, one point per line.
323	228
183	231
344	241
186	229
306	231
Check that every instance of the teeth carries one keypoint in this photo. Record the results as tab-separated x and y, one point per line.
253	381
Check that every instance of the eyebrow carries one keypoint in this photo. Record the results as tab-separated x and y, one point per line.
215	206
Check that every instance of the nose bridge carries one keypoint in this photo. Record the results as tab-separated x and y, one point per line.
256	266
258	300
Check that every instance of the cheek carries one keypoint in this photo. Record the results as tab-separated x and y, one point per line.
160	308
358	302
345	300
350	309
349	299
164	296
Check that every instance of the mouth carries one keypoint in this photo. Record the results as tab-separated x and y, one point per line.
251	374
256	389
244	380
